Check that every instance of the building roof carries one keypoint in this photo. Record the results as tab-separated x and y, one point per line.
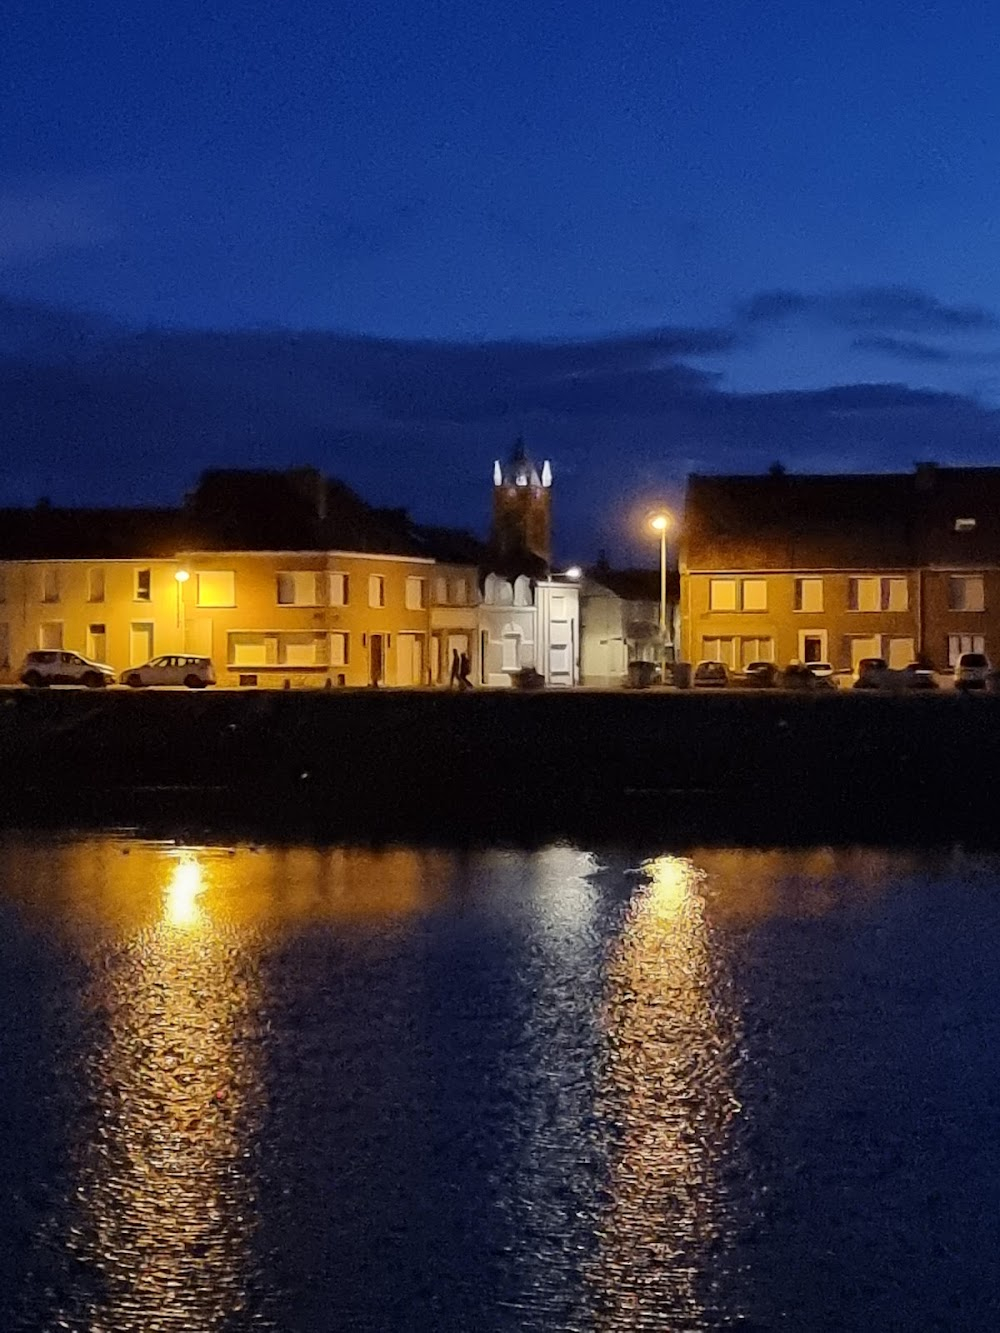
843	521
635	585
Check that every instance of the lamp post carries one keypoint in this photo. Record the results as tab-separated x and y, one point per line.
659	522
182	577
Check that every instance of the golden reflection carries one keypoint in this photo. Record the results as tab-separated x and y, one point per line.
159	1225
184	888
666	1095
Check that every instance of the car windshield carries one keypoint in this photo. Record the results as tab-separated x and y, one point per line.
972	660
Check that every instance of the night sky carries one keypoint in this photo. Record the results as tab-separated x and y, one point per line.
387	238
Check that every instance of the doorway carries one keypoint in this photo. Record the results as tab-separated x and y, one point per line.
376	658
97	642
140	643
409	659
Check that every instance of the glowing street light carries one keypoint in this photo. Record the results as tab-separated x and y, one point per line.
182	577
659	521
574	572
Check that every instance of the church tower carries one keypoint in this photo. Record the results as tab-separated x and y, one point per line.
522	507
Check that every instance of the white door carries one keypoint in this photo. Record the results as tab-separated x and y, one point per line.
900	653
409	659
869	647
140	643
97	643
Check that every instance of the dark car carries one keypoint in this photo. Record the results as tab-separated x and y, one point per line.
800	676
711	675
761	675
871	673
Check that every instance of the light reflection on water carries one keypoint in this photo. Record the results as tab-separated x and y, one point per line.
299	1088
667	1094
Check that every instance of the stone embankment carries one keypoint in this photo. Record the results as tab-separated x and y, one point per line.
497	764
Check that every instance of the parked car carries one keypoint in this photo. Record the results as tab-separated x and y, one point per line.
761	675
821	670
52	666
871	673
919	676
173	669
972	671
800	676
711	675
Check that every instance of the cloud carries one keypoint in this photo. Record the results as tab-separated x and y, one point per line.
895	309
418	423
47	217
902	349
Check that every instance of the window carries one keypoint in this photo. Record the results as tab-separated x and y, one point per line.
522	590
294	649
50	634
339	589
4	644
895	595
809	594
864	594
302	588
143	586
339	650
441	592
719	650
50	588
415	594
510	659
964	643
965	525
754	594
756	650
862	646
722	595
965	593
376	590
459	592
216	587
95	585
900	653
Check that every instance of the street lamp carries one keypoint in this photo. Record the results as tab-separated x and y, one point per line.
182	577
574	572
659	521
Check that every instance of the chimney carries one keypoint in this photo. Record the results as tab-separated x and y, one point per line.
925	476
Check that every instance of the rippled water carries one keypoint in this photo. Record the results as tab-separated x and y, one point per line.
348	1089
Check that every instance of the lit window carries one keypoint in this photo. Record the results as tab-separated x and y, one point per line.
722	595
864	594
415	596
965	593
965	525
339	589
809	595
301	588
754	594
441	592
50	587
964	643
376	590
216	587
143	585
339	650
895	595
95	585
719	650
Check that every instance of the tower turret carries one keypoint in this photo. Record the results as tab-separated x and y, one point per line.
522	506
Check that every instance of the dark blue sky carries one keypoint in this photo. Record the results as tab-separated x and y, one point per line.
681	224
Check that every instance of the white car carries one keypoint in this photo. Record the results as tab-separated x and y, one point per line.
972	671
173	669
53	666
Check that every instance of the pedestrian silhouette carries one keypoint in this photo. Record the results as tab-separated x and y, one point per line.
464	667
456	670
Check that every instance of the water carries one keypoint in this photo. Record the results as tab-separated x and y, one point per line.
303	1089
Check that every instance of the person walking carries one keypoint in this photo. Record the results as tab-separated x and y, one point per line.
456	670
464	667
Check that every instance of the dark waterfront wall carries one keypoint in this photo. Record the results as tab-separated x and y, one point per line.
771	767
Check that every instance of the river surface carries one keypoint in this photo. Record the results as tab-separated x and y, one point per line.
304	1089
